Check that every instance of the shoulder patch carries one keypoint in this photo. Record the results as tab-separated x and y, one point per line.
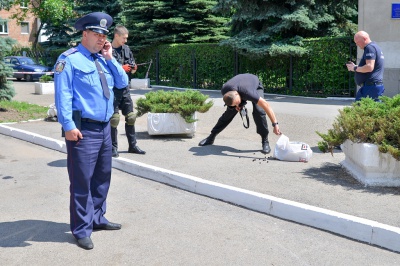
59	66
69	51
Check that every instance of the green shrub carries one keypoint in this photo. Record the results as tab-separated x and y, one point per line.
186	103
367	121
45	79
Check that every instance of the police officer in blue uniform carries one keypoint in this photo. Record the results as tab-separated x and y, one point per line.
84	80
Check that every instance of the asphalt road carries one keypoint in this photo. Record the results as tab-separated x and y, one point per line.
163	225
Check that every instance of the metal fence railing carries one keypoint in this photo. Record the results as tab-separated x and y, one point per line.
321	73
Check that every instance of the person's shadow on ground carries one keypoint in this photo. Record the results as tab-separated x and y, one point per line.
20	233
228	151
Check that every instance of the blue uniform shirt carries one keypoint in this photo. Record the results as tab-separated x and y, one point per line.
78	86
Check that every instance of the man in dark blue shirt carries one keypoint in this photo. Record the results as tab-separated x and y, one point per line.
369	71
236	92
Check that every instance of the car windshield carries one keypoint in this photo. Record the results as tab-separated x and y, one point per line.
26	61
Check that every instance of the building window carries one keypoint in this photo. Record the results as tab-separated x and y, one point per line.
24	4
24	27
3	27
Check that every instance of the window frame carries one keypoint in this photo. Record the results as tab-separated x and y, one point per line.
24	4
27	24
4	24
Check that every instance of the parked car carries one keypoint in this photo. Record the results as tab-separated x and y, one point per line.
26	68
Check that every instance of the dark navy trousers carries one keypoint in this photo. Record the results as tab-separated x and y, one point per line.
372	91
89	169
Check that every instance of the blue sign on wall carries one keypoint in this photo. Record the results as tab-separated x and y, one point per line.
396	10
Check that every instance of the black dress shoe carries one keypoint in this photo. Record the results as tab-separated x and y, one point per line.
136	149
265	147
109	226
85	243
207	141
115	153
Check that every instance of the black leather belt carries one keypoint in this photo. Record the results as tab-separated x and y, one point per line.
88	120
371	83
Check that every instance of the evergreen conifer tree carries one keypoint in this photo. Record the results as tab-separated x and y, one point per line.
64	35
112	8
7	91
172	21
278	27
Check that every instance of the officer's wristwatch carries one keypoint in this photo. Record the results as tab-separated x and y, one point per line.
274	124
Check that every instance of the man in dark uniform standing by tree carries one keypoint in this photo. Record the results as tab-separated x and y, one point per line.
236	92
122	98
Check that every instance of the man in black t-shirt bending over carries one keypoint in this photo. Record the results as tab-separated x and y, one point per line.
236	92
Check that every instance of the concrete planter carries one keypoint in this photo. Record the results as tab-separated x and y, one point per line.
140	84
44	88
169	123
369	166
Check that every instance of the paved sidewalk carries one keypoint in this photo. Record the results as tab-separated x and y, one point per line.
235	161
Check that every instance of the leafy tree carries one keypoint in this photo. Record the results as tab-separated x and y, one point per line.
52	14
278	27
7	91
172	21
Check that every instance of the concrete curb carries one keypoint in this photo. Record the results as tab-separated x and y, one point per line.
33	138
356	228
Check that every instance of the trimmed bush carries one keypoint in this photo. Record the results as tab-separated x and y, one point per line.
186	103
367	121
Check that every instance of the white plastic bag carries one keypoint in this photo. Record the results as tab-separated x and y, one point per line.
292	151
52	112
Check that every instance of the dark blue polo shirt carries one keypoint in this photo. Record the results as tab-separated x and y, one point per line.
371	52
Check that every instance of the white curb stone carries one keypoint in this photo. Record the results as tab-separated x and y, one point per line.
34	138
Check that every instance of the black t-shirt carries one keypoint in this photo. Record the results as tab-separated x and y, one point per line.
371	52
246	85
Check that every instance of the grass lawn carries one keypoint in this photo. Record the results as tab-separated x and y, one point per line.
14	111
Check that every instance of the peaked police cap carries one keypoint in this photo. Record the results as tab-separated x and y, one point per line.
96	21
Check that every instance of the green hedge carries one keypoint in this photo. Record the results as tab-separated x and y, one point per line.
321	73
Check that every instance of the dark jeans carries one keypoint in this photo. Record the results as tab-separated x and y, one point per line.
372	91
259	117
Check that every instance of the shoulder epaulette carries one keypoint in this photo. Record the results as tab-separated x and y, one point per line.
70	51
